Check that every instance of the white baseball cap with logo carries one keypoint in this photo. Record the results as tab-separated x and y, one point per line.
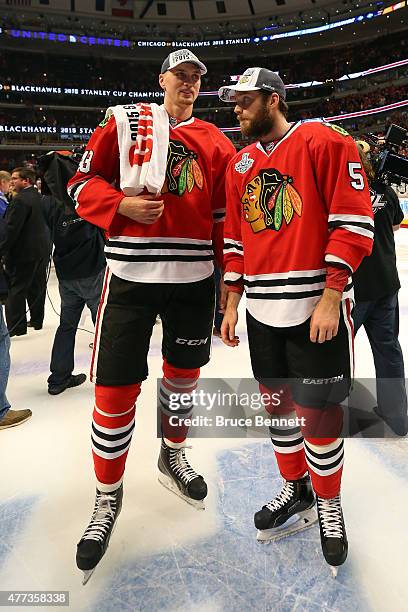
254	79
180	57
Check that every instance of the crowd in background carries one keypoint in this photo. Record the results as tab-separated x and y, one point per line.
51	117
96	72
72	112
206	108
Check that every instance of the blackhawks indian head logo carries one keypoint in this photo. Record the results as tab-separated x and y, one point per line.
270	198
183	170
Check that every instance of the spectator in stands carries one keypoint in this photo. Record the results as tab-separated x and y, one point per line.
376	286
26	254
8	417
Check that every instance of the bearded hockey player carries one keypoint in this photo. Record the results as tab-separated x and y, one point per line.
298	223
153	178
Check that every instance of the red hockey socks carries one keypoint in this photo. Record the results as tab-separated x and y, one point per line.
112	429
287	440
176	402
324	448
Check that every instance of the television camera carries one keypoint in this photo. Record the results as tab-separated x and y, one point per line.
389	166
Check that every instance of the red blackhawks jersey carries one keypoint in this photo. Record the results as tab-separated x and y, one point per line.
179	247
291	212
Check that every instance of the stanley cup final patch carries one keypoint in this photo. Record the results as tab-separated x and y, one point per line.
244	163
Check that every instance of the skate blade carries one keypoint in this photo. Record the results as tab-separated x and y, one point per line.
334	571
87	575
306	519
167	482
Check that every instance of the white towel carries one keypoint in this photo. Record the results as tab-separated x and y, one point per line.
143	139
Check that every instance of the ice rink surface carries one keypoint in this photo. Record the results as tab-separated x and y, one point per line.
164	554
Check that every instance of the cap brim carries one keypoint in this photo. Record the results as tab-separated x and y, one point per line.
201	66
228	92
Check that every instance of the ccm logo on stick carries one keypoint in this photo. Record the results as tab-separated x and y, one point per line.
192	342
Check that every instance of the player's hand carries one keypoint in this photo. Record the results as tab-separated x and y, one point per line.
146	208
228	326
324	323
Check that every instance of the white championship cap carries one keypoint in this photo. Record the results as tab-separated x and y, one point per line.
252	80
180	57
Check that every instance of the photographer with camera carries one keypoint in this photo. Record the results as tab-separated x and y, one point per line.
376	286
79	262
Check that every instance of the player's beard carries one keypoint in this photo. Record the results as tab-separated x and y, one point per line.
261	125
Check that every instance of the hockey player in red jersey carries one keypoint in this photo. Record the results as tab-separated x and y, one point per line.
298	223
160	255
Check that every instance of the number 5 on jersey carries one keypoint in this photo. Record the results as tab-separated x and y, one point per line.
355	173
85	163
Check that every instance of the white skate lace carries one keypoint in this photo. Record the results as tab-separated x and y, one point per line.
284	497
180	466
331	517
102	517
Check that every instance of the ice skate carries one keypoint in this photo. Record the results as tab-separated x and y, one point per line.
177	475
292	510
95	540
332	532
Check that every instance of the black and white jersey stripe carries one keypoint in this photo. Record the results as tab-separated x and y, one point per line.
219	215
294	294
357	224
329	258
233	246
285	285
75	189
160	259
231	277
158	249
